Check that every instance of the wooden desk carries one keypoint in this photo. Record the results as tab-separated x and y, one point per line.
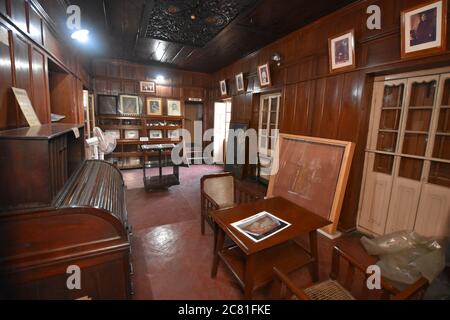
252	263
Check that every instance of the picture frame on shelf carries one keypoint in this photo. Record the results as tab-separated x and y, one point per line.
131	134
424	29
154	107
223	87
107	105
129	105
156	134
264	75
240	86
173	134
342	52
147	86
174	108
113	133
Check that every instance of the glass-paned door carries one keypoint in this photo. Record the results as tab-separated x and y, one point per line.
406	184
268	132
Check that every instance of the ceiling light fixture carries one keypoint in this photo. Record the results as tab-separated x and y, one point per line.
160	78
81	35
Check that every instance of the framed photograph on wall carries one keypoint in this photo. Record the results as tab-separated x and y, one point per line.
424	29
129	105
154	106
173	108
342	52
107	104
240	87
156	134
223	88
264	75
148	86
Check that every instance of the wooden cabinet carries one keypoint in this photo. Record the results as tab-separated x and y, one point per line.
406	184
37	162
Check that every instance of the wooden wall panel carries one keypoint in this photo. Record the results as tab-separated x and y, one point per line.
35	25
3	6
317	103
19	14
39	86
22	70
8	112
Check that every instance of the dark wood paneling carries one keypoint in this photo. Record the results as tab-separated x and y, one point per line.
40	90
19	14
8	112
22	68
62	98
35	25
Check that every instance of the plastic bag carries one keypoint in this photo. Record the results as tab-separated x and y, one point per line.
406	256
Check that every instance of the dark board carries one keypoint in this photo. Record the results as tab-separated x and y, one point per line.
231	163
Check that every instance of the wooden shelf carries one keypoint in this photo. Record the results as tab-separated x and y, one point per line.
173	118
154	141
162	127
287	257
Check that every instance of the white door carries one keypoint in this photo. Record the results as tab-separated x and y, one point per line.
387	106
269	110
219	131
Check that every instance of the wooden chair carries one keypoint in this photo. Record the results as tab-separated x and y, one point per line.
221	191
333	290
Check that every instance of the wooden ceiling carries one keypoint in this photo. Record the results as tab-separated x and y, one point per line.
125	29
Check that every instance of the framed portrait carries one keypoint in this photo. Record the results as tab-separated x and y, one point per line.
264	75
154	106
132	134
129	105
424	29
223	88
148	86
342	52
240	87
173	108
107	104
156	134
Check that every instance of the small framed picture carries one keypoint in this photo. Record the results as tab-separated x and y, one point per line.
154	106
129	105
424	29
173	134
264	75
114	133
240	87
223	88
173	108
342	52
148	86
156	134
132	134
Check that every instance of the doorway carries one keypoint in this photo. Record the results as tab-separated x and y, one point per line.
193	115
222	119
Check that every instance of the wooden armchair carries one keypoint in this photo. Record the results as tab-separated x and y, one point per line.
221	191
333	290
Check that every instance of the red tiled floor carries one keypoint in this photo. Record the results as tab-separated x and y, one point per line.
172	260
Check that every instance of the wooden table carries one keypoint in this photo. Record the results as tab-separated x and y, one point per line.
252	262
